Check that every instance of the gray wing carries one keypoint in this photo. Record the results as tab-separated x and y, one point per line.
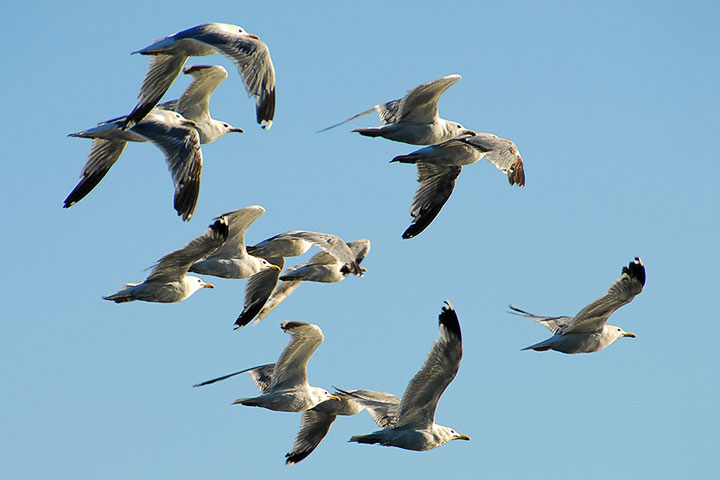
252	58
238	223
278	296
386	111
418	404
382	407
420	105
279	246
436	186
291	367
593	317
331	244
261	376
180	142
313	428
194	103
257	291
175	265
103	155
500	152
163	71
557	325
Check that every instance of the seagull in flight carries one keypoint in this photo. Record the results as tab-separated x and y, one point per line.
168	282
169	54
415	427
588	331
440	165
414	118
284	385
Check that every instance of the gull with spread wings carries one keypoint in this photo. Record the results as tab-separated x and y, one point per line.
168	282
169	54
316	421
232	260
440	165
414	118
284	385
587	331
171	126
415	427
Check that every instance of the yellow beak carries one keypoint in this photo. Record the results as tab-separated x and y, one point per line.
209	285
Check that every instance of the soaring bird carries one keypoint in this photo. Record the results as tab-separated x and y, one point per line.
169	54
439	166
414	118
587	331
175	135
233	261
322	267
415	427
168	282
194	103
284	385
288	244
316	421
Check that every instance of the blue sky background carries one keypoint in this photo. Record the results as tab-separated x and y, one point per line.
615	110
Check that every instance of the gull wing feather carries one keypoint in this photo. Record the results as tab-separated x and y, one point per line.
281	292
436	186
291	368
252	58
257	291
163	71
313	428
420	105
261	376
181	145
194	103
175	265
557	325
621	292
103	155
418	404
331	244
386	111
500	152
238	223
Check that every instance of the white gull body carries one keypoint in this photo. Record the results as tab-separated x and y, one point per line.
587	331
414	118
168	282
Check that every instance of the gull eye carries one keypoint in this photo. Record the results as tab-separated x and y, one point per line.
225	125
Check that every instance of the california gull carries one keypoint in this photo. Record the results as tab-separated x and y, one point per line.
233	261
415	427
247	52
439	166
316	421
285	388
175	135
322	267
194	103
168	281
292	243
587	331
414	118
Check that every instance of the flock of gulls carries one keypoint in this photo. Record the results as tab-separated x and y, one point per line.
179	128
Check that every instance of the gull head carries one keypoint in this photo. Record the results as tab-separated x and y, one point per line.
444	435
617	332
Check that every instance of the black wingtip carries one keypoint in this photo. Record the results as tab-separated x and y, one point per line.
220	228
422	220
265	110
449	319
636	270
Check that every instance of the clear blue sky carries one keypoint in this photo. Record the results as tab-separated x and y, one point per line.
615	110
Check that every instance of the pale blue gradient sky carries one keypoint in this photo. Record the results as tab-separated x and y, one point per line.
615	110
